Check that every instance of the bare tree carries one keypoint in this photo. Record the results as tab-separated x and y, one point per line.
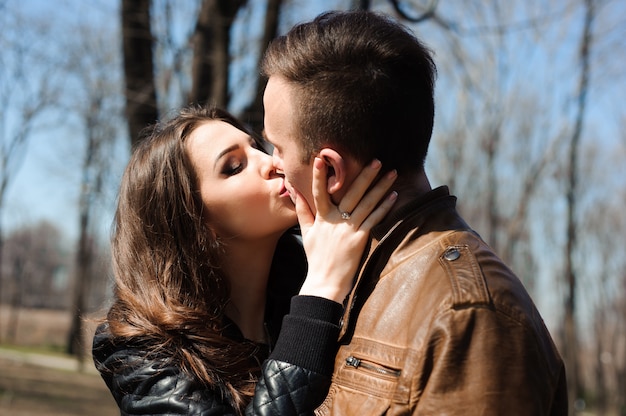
490	115
206	45
98	109
570	347
26	93
253	113
141	102
20	275
172	32
602	369
211	58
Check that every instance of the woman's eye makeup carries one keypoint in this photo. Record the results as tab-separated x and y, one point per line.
232	167
234	158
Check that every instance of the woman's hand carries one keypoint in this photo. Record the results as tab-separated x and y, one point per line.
335	238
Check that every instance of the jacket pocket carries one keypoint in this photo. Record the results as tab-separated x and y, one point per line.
345	401
368	380
372	367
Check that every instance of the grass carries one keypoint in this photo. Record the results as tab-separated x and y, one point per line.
28	389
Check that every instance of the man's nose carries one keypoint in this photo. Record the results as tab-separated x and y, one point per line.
277	161
268	170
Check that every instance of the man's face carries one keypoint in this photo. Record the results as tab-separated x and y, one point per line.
280	132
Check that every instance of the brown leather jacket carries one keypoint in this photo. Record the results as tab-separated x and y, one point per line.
438	325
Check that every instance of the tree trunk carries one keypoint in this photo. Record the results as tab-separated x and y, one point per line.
492	145
75	344
88	189
211	40
141	103
570	346
253	113
16	300
600	376
1	268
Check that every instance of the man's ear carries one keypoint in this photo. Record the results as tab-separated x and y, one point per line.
336	169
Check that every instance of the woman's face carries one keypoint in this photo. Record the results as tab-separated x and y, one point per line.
243	194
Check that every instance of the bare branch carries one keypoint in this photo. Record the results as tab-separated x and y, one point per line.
429	13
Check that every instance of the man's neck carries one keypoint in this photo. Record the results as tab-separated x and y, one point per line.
409	187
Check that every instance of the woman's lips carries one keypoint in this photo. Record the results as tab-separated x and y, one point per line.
284	191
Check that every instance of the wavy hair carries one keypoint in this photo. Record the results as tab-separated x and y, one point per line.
170	292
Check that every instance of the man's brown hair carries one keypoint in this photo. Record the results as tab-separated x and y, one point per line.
363	83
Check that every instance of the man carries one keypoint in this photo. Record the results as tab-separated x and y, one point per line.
435	323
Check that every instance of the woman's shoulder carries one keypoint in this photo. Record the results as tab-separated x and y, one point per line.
110	352
144	382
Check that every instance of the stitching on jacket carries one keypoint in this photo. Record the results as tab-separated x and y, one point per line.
466	278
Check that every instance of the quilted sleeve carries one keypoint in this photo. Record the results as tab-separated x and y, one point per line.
287	389
296	377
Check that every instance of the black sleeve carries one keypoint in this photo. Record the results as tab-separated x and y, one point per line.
296	377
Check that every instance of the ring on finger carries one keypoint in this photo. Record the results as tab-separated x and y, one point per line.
345	215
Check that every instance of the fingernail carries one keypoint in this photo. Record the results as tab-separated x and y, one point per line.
392	174
393	196
375	164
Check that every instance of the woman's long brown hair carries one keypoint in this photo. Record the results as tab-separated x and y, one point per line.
170	292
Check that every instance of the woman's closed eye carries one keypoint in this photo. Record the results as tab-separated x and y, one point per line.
232	167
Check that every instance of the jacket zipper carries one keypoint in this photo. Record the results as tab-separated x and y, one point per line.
352	361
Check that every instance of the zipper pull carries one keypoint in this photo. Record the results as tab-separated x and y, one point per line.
353	361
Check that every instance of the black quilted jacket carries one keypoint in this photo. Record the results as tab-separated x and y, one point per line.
294	381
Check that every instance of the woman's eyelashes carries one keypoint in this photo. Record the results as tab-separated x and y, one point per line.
232	166
236	161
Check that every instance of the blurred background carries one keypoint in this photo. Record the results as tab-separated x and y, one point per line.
530	134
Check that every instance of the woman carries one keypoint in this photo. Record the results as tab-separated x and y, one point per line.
205	268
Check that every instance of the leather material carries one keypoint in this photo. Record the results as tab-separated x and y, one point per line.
437	324
286	389
151	386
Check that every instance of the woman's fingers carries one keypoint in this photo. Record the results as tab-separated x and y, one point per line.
361	207
379	213
321	198
359	187
334	244
368	203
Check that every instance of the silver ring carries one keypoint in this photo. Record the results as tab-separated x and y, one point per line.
345	215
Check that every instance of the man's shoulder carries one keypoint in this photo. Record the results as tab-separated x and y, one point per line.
460	270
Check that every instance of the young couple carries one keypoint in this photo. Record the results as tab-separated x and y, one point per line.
398	308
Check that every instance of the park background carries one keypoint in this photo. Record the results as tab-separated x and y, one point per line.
530	134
